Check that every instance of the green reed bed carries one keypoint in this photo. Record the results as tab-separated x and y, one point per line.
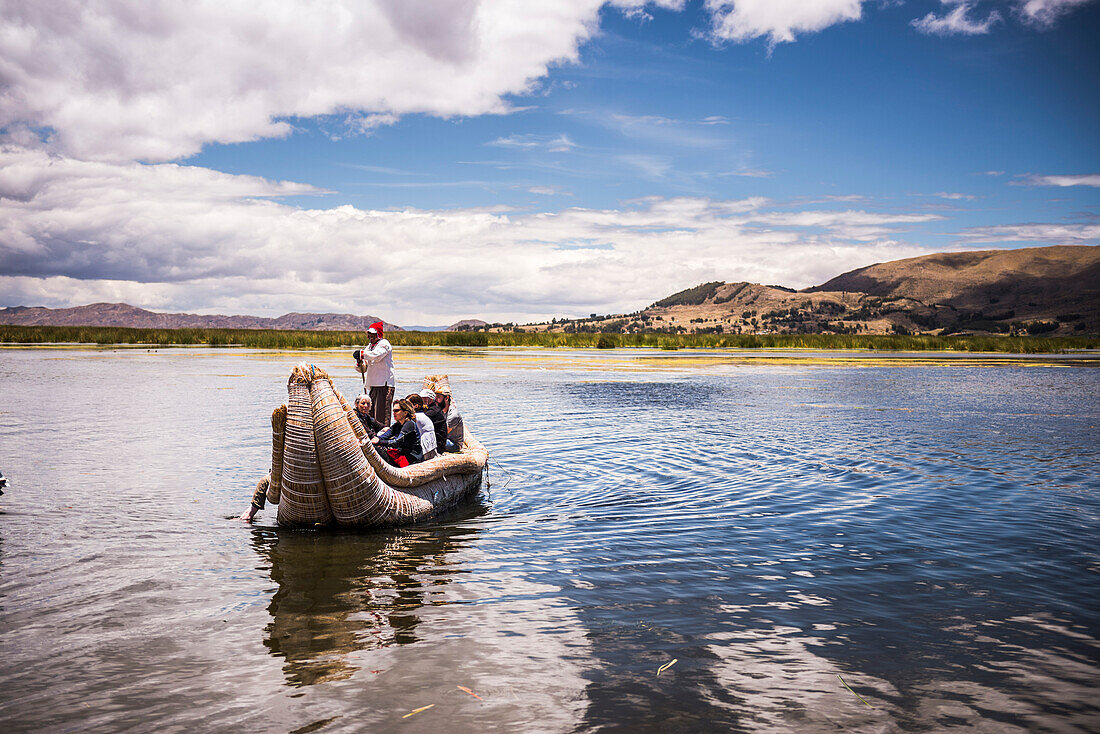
273	339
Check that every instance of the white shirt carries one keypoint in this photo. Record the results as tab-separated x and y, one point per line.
379	361
427	436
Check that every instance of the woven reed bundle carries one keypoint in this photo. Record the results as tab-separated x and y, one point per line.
471	459
327	469
356	495
303	500
447	491
353	419
278	426
438	383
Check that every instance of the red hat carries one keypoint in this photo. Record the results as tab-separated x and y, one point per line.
376	327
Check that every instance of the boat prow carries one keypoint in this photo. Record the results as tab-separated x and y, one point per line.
324	469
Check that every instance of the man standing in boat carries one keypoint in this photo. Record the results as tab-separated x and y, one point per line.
376	362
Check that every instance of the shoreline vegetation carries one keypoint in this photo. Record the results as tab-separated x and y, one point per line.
282	339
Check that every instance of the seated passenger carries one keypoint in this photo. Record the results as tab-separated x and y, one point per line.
439	421
400	443
425	426
456	434
363	413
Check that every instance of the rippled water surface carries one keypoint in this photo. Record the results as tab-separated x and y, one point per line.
802	542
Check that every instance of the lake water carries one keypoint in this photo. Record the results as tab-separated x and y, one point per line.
778	532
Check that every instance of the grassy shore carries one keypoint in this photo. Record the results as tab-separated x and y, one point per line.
272	339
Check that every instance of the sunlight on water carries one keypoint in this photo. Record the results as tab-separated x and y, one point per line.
821	542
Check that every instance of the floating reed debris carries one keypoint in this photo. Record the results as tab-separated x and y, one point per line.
414	712
467	690
666	666
853	692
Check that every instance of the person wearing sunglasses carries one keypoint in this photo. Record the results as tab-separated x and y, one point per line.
400	443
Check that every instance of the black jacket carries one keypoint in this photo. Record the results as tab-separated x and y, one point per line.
404	438
439	422
369	424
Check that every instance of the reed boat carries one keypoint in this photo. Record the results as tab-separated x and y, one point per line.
325	470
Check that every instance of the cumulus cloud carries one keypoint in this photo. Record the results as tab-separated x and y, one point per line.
957	21
185	238
778	20
120	80
154	81
1092	179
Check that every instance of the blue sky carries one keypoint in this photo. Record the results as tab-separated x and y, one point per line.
427	162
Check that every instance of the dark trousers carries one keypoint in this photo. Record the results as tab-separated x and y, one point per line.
381	403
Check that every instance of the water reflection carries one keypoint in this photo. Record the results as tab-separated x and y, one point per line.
928	533
342	593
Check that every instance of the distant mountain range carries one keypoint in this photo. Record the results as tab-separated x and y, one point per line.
125	315
1036	290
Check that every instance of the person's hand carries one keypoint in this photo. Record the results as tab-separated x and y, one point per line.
248	514
374	440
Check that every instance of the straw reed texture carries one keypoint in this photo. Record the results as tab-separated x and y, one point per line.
353	419
354	492
471	459
302	487
438	383
328	470
278	426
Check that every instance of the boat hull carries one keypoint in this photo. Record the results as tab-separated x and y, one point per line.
325	471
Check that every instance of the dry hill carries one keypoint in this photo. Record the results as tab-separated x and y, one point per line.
1032	290
1034	282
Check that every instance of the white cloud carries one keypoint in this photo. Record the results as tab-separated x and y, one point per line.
548	191
120	80
139	80
1092	179
1046	12
689	133
751	173
957	21
1045	233
184	238
357	123
851	225
636	11
650	166
953	196
778	20
552	143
